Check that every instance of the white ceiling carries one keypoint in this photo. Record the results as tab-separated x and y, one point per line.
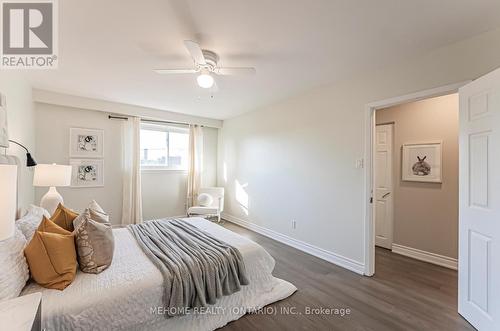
109	48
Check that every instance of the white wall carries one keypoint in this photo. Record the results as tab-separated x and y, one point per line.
52	139
163	191
21	123
210	142
296	159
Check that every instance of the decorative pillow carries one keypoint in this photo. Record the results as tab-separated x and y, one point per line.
14	270
205	200
30	222
51	256
93	205
95	242
64	217
97	213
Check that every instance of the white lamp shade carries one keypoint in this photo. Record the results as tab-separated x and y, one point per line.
8	200
52	175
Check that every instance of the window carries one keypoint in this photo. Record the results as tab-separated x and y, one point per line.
164	147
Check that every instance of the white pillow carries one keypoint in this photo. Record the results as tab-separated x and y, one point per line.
14	270
95	206
205	200
30	222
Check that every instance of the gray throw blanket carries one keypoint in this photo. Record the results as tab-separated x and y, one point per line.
197	268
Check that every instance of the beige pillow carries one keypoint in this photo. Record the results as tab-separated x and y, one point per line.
97	213
93	205
51	256
95	242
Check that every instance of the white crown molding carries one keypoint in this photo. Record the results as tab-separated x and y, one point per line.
331	257
433	258
73	101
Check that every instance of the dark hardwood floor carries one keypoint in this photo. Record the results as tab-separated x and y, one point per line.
404	294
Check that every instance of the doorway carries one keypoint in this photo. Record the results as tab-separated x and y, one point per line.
416	181
370	155
479	229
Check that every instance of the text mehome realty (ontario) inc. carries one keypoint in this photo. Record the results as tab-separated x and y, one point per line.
267	310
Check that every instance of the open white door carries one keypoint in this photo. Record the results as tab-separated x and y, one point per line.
479	225
383	186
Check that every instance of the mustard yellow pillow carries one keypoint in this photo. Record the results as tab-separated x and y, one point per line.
64	217
51	256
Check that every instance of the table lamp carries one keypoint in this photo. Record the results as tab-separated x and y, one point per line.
8	200
52	175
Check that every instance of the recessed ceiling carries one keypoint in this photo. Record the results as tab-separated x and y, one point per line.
109	48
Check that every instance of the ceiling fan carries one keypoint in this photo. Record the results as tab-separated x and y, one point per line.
206	64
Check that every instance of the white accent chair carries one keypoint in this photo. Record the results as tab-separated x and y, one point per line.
217	206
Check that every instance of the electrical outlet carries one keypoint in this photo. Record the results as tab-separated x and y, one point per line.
294	224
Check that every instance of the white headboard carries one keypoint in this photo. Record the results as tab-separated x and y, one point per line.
10	159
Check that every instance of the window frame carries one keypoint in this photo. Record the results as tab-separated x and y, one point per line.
163	128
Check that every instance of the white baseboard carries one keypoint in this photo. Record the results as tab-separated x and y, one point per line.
337	259
433	258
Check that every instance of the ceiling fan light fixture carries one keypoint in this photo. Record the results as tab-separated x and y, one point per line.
206	65
205	80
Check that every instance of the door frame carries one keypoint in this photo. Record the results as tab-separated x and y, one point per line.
369	178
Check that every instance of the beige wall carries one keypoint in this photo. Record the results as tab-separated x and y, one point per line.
426	214
163	191
296	159
21	123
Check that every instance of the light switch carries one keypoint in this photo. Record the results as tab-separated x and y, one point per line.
360	164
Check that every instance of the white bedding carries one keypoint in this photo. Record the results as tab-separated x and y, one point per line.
123	296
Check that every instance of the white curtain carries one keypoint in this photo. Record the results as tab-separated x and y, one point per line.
131	159
195	163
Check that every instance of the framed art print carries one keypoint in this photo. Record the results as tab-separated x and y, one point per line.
422	162
87	173
86	143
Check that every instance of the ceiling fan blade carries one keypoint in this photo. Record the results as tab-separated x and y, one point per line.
195	50
175	71
240	71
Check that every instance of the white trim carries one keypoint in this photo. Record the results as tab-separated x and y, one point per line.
158	169
171	217
368	228
441	260
168	218
421	95
331	257
165	127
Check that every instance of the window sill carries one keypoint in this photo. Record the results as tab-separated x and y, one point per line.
156	170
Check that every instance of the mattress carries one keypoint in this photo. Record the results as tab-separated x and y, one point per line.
128	295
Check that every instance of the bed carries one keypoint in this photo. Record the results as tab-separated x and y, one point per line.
128	295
